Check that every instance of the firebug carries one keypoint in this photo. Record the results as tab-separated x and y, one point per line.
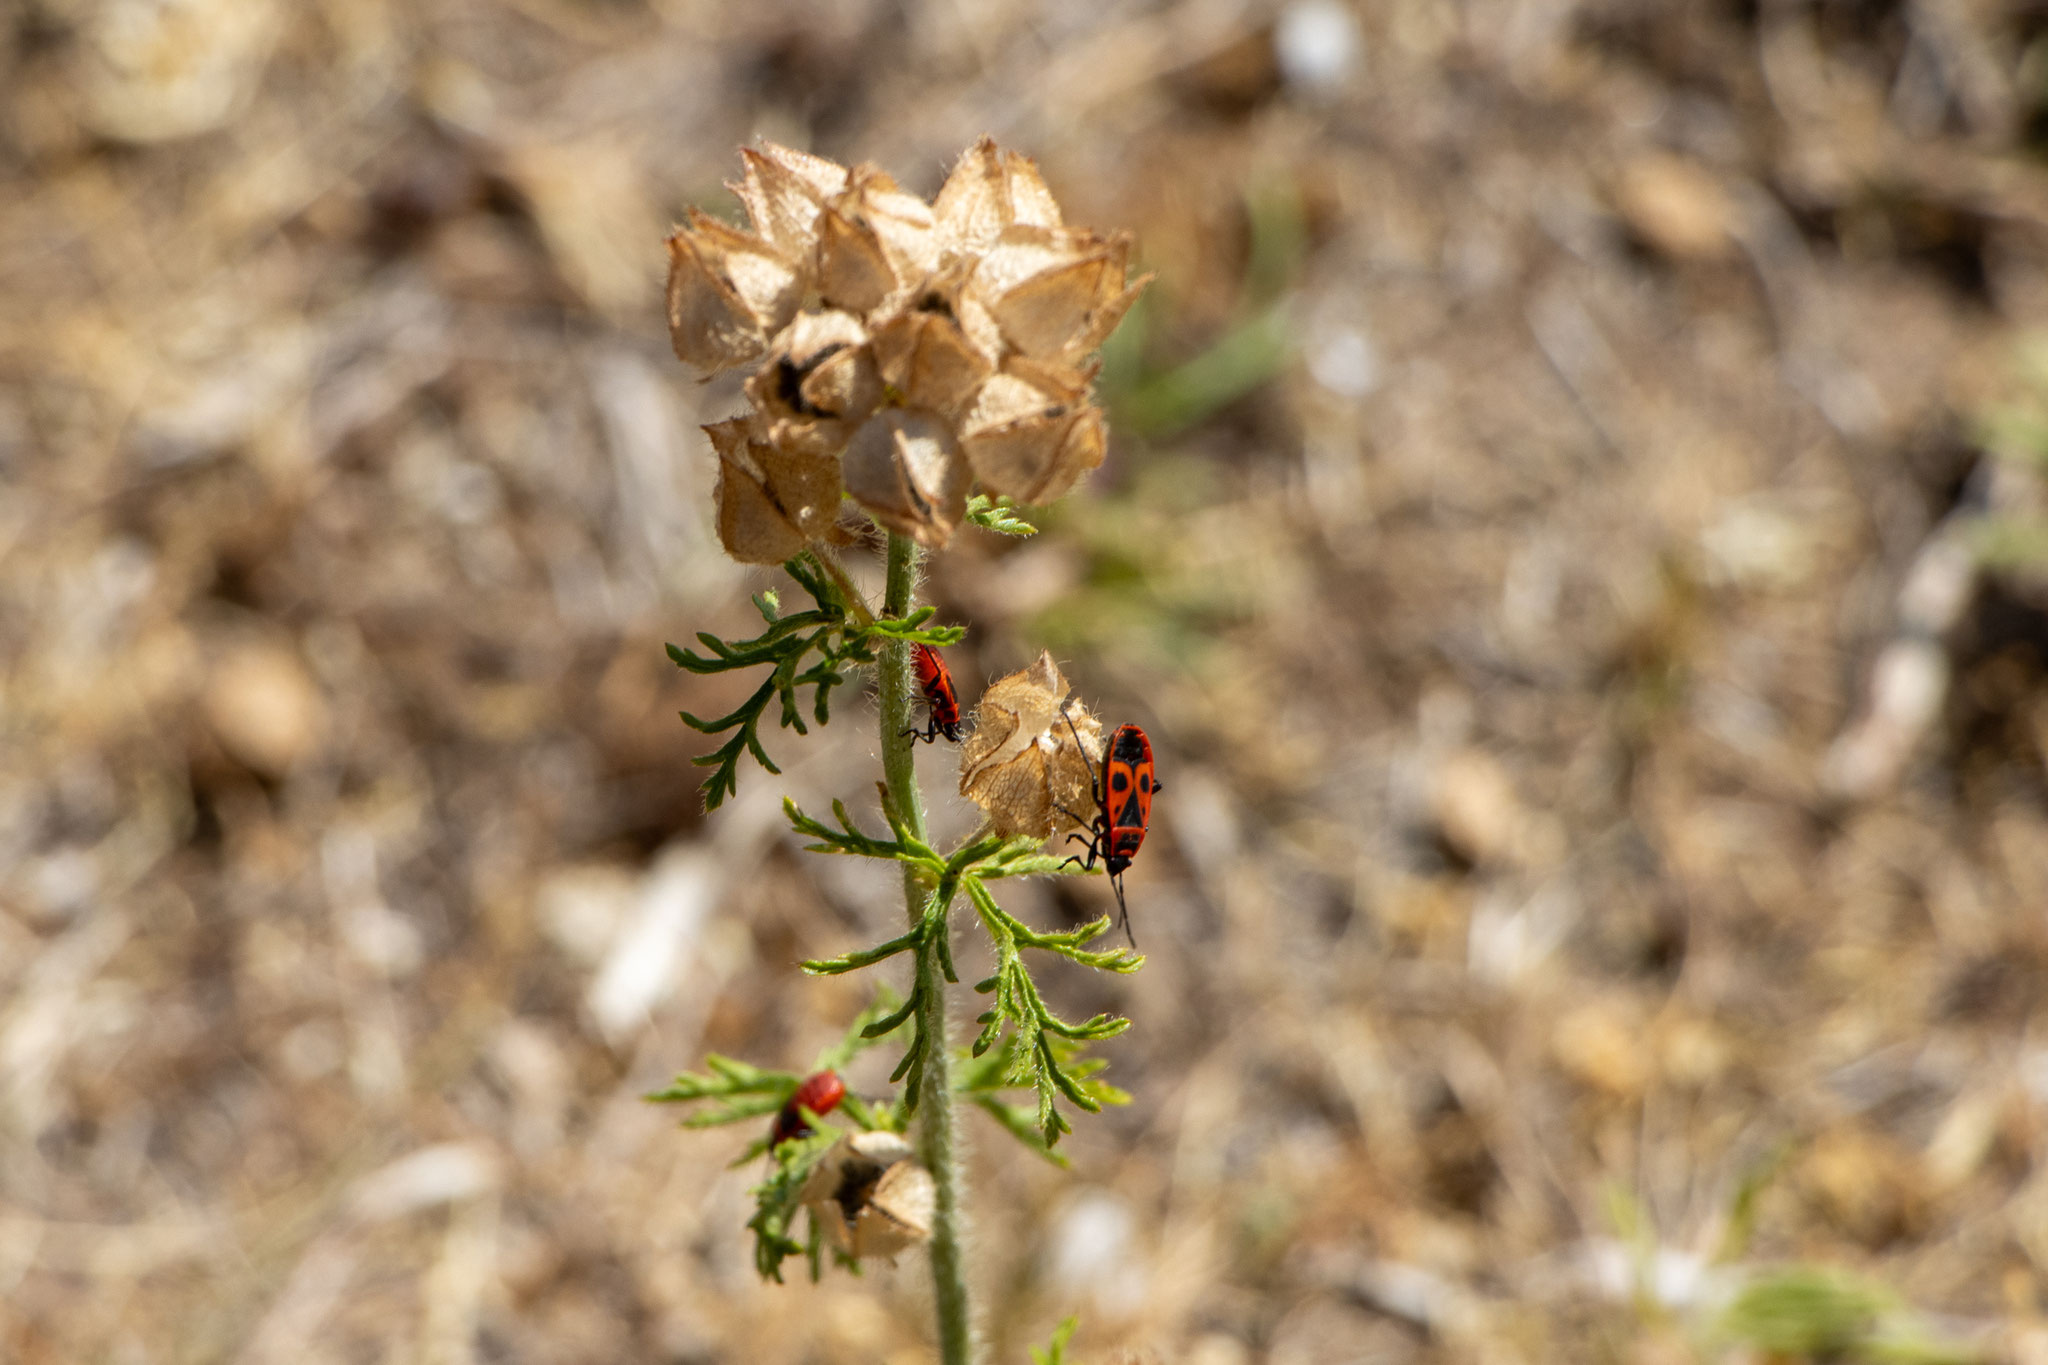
820	1093
935	680
1123	802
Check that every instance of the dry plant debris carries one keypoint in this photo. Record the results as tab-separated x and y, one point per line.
1637	351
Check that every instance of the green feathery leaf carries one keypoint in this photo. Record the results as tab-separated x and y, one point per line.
999	515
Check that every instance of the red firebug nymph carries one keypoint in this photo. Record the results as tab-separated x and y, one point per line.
935	680
820	1093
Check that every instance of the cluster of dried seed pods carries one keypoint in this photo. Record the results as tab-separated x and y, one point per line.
902	353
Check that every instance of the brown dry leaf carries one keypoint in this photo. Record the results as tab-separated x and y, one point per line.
1603	1045
1865	1184
1677	206
590	202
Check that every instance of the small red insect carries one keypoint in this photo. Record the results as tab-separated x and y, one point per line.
1123	803
936	682
820	1093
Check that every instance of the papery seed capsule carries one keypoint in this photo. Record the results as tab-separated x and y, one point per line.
869	1197
935	680
820	1093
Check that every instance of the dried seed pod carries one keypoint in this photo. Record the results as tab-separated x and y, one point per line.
1057	294
951	344
990	190
870	1197
728	292
929	359
904	469
875	243
1023	764
771	500
816	385
783	192
1031	434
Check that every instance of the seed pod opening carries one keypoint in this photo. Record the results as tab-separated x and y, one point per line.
816	385
988	191
1057	294
1030	435
875	242
870	1197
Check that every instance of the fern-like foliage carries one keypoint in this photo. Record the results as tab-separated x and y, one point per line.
1034	1055
1037	1055
838	629
734	1092
999	515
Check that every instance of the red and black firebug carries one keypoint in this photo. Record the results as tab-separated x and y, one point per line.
935	680
820	1093
1123	803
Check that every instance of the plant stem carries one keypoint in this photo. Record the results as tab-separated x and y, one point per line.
936	1146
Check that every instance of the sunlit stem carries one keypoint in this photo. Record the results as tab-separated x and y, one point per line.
937	1145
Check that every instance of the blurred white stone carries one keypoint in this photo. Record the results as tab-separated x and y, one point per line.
581	908
1907	686
380	938
639	972
155	70
1753	544
425	1179
1090	1251
264	707
1512	937
1316	43
61	883
1345	361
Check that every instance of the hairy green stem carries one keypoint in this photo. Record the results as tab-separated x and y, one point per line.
937	1148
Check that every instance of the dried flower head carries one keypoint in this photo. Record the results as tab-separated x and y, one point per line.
1032	752
870	1197
951	342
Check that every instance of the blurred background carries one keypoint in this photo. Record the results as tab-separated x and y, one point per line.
1572	535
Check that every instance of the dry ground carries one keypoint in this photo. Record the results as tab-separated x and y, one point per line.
1525	976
